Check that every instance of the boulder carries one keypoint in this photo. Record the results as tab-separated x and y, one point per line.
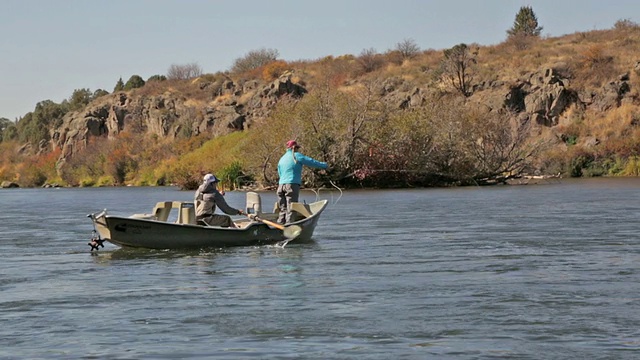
8	185
542	95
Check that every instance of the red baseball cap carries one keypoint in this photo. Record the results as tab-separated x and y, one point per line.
291	144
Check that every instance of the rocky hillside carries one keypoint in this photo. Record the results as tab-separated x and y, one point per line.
579	92
169	114
542	96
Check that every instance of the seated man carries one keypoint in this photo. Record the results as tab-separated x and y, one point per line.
207	197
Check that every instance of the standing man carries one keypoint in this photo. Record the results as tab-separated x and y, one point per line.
206	198
290	172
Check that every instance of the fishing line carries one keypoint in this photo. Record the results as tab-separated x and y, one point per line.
337	187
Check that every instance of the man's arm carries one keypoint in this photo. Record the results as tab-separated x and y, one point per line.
222	204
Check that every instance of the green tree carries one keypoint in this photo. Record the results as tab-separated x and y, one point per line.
79	99
254	59
4	124
34	126
10	133
457	67
134	82
157	78
98	93
119	85
526	23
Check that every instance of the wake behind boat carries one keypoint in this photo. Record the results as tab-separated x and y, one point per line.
157	230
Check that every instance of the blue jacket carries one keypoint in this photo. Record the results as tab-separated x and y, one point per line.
290	171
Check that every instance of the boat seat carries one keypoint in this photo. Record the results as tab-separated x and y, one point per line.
160	212
254	203
254	206
186	212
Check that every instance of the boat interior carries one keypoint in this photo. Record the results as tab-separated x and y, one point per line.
186	214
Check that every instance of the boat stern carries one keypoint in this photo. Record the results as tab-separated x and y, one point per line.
100	224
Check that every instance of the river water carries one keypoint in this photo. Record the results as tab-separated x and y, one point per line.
546	271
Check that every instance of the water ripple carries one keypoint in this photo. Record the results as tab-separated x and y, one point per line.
529	272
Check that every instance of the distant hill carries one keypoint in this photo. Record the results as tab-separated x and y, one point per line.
467	115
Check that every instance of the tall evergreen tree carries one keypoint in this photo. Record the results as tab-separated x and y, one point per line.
526	23
4	123
119	85
79	99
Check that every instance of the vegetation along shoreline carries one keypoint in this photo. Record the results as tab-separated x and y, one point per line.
566	106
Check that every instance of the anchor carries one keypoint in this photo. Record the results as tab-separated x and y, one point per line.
95	241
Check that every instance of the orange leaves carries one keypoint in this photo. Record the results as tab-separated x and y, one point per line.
273	70
37	170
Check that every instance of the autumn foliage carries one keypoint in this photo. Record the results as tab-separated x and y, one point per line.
448	137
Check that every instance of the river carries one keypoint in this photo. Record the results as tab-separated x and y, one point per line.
546	271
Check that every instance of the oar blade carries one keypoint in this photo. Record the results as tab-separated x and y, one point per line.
292	231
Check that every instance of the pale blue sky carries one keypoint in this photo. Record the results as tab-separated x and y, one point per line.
50	48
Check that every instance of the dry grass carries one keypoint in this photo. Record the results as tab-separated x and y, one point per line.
588	59
615	123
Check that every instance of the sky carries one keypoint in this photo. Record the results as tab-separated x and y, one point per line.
50	48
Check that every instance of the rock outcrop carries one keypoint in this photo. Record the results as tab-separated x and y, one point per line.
232	107
541	97
8	185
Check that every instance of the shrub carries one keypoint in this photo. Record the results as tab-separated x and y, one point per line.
625	24
521	41
594	57
134	82
370	60
254	59
232	175
157	78
273	70
102	181
408	48
632	167
614	166
87	182
184	72
580	160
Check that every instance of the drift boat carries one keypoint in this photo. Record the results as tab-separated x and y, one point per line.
156	231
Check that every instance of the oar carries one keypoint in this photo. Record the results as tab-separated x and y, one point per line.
290	232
